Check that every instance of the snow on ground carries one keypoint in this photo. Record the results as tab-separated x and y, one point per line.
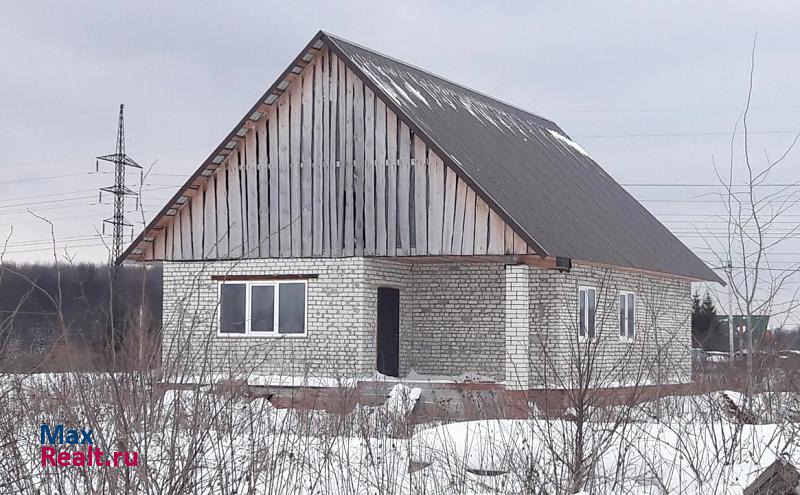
673	457
225	444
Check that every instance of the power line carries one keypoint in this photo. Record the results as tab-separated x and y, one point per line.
65	200
665	184
50	117
669	110
48	201
155	187
50	177
50	248
36	220
50	241
779	201
678	134
87	157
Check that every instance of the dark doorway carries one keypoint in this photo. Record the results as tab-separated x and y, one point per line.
388	339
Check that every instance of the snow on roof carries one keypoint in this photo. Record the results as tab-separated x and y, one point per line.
529	170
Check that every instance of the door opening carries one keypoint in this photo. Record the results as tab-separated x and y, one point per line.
388	335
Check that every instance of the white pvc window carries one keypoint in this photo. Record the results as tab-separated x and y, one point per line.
627	315
262	309
587	310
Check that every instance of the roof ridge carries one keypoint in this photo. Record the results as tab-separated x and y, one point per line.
334	38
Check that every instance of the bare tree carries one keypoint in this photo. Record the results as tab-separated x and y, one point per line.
754	215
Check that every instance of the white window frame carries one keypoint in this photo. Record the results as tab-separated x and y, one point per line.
586	338
626	293
248	333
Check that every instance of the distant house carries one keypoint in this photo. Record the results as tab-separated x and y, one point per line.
368	215
717	337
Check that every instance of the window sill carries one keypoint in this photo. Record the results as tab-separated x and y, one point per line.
264	335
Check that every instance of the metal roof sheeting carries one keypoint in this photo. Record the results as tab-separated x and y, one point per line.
529	169
540	181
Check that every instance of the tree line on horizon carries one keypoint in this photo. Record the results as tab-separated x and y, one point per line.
54	317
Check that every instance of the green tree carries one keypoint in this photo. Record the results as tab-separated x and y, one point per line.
708	309
704	313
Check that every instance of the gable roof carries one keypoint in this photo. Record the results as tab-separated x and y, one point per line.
534	176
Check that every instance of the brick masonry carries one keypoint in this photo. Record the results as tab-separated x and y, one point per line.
514	323
659	353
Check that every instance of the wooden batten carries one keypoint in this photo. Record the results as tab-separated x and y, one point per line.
327	169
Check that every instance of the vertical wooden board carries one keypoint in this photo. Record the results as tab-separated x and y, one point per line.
448	223
186	231
274	181
295	159
404	189
306	167
358	159
243	195
345	126
332	179
169	236
251	168
481	226
341	166
380	178
168	240
421	195
508	240
468	239
148	251
235	218
349	164
326	123
159	245
210	235
391	182
520	246
458	217
369	172
317	203
435	202
198	225
243	199
284	188
263	189
177	237
497	233
223	227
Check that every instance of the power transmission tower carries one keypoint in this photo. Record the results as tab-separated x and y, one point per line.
119	190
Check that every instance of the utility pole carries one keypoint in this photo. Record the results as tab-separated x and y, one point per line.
120	161
731	344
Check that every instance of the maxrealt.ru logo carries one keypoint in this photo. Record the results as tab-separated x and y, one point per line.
72	439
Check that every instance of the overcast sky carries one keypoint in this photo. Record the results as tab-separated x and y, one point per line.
651	90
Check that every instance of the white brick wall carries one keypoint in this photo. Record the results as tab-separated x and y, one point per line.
451	318
455	318
458	319
338	340
660	352
517	327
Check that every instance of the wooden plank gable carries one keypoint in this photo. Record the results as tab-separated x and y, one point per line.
328	170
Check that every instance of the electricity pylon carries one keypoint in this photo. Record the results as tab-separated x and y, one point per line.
119	190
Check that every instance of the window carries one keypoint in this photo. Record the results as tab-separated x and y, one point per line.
262	309
627	312
587	308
